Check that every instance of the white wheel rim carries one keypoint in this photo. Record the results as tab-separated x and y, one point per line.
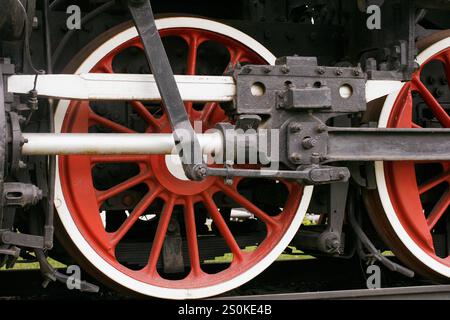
395	223
85	248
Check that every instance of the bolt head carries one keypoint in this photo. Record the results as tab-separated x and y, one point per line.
334	244
295	157
202	171
309	143
342	175
199	172
246	70
322	128
295	127
285	69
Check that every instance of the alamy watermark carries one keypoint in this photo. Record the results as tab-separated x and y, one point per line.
374	20
73	21
74	279
374	279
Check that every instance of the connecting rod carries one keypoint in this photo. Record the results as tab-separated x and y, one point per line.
143	87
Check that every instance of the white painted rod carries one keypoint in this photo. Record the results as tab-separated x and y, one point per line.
126	87
142	87
110	144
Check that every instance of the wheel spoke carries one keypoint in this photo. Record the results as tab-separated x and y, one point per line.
438	210
222	226
134	216
146	114
121	187
191	235
241	200
446	58
106	66
438	111
434	182
402	178
160	234
208	111
109	124
193	43
235	56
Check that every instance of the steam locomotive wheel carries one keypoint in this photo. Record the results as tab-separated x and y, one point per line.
107	204
412	210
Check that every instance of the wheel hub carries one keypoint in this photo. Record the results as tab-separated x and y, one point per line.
169	173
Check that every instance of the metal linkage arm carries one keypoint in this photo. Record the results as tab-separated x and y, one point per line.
184	134
341	144
315	143
372	144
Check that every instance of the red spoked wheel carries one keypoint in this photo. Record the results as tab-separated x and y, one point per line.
127	215
414	218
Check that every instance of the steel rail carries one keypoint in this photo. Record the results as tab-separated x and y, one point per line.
441	292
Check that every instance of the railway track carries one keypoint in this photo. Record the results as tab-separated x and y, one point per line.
434	292
298	280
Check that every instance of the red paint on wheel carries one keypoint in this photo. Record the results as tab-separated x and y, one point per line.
401	180
84	201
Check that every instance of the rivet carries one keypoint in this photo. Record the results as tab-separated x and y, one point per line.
285	69
296	157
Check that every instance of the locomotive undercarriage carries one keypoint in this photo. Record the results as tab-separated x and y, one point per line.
290	127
